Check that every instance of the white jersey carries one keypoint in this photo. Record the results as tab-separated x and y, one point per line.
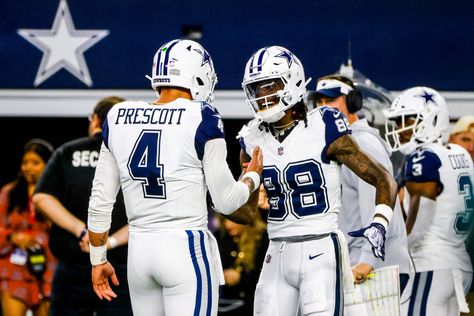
437	238
302	183
157	154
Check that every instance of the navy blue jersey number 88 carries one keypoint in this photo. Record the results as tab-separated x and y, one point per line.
144	164
300	189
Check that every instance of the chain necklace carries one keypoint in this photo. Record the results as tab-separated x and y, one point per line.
280	132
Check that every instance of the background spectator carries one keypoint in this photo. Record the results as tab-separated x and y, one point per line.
26	264
463	133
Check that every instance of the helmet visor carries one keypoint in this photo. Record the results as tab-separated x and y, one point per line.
399	130
264	94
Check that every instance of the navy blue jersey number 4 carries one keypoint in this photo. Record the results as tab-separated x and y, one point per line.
144	164
464	218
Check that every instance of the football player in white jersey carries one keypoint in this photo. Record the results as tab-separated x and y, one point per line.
439	181
358	197
165	156
303	269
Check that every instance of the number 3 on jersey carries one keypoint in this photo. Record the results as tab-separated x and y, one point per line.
144	164
299	189
464	218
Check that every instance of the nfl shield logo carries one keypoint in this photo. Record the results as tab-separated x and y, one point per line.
280	151
268	259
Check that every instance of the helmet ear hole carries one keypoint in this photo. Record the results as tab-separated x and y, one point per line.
199	81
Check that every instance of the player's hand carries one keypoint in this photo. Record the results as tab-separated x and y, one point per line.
256	164
375	234
100	281
263	198
361	271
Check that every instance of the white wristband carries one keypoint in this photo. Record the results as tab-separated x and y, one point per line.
98	255
112	242
255	177
383	214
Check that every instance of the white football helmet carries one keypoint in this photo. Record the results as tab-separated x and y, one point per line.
280	64
185	64
430	118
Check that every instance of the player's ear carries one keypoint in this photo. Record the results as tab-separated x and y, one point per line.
95	121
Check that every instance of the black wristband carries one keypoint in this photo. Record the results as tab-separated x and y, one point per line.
83	233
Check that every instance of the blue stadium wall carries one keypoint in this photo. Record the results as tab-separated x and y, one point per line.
396	43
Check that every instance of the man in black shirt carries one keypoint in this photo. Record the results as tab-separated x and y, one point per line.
62	194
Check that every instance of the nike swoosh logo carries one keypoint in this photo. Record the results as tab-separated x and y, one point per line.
336	115
315	256
416	159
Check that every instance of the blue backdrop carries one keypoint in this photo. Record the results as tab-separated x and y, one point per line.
396	43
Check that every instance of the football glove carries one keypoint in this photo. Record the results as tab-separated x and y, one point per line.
375	234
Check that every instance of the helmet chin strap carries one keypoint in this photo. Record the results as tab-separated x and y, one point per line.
273	115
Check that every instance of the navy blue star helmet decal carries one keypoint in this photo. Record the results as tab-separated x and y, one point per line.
287	55
427	96
206	58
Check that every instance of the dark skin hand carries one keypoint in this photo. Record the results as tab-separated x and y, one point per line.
345	150
417	190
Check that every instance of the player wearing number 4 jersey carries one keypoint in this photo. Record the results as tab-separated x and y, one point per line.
165	156
439	180
307	260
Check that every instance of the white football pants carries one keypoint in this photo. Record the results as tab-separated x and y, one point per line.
305	276
173	273
433	293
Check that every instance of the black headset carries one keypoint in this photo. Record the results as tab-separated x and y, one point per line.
354	97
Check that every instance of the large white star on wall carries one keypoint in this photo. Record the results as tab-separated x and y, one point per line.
63	46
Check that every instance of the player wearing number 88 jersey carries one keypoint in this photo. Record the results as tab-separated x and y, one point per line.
307	260
302	184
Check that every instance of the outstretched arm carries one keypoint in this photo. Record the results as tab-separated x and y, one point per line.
50	206
420	193
345	150
226	193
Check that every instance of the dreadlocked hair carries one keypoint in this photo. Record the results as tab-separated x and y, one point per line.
299	112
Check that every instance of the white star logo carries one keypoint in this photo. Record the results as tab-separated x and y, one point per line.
63	46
